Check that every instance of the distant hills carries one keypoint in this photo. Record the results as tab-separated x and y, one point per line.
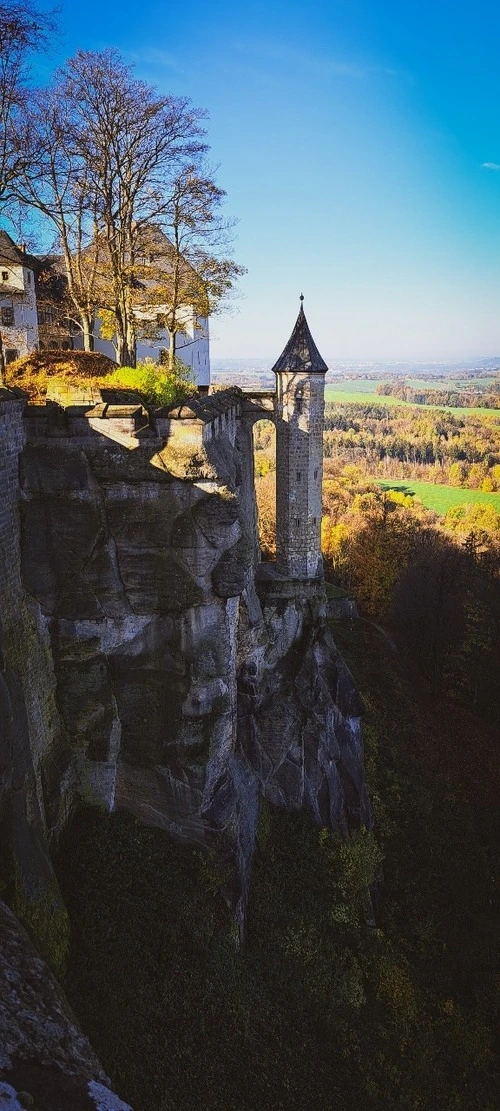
258	370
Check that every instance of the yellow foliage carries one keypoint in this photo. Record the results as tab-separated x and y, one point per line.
334	540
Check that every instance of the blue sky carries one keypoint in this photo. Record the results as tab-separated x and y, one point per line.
351	137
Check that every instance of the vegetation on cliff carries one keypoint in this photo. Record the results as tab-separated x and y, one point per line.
45	375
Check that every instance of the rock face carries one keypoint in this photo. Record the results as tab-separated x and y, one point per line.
148	662
188	684
46	1062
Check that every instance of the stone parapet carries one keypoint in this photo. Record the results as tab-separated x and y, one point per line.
271	584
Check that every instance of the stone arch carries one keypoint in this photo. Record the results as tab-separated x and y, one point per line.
256	407
265	477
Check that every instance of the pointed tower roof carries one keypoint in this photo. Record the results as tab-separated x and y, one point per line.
301	352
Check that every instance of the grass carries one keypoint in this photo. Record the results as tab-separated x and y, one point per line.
440	498
363	393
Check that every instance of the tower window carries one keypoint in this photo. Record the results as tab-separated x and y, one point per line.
299	476
299	399
297	522
316	473
5	275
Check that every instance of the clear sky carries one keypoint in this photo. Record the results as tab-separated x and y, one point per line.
359	144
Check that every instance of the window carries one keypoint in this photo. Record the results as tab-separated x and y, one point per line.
299	476
46	316
10	355
5	275
316	473
7	315
28	277
299	399
297	522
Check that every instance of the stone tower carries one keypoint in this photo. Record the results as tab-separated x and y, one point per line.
300	388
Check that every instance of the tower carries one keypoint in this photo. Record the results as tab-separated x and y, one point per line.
300	388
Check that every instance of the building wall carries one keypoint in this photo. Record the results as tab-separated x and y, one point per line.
18	292
193	348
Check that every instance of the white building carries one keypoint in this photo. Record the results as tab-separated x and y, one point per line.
18	311
192	346
20	317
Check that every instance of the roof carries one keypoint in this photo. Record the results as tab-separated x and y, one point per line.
301	352
9	252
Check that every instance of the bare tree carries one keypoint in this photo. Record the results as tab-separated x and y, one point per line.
22	29
183	272
55	181
189	273
132	142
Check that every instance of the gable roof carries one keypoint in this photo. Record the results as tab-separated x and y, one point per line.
301	352
9	252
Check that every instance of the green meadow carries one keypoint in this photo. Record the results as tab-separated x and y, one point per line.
440	498
362	392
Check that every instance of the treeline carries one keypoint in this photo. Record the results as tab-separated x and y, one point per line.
468	399
116	173
430	445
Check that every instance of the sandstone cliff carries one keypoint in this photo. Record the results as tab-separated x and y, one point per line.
165	671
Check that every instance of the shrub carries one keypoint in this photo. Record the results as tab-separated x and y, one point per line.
159	385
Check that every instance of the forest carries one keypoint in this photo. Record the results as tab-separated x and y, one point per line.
469	396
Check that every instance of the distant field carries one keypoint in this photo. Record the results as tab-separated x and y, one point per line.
367	385
441	498
448	383
362	393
